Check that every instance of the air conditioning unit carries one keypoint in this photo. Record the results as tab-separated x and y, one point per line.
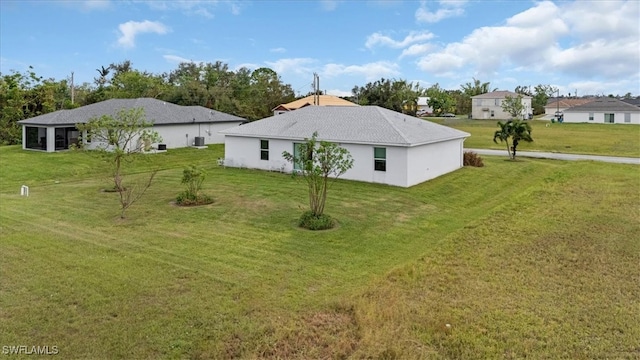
199	141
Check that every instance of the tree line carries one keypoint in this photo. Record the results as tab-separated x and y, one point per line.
243	92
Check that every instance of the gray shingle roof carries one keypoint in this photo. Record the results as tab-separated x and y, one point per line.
156	111
355	125
604	104
499	95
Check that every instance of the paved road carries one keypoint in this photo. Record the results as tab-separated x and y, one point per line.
559	156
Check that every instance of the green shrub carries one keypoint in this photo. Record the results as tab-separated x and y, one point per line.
185	198
472	159
315	222
193	177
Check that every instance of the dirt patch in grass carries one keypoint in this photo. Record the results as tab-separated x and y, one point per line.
329	334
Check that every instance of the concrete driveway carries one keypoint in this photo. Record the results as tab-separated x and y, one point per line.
559	156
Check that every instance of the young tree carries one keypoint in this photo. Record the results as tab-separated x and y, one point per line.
321	163
513	106
120	138
517	130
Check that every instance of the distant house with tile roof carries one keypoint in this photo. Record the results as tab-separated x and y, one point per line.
562	104
177	125
320	100
603	110
489	105
387	147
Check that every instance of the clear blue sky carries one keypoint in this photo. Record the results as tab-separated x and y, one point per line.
589	46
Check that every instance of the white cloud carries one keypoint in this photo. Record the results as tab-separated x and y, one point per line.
338	92
205	8
413	37
130	29
89	5
329	5
293	65
203	12
597	42
416	49
520	43
250	66
370	71
175	59
278	50
447	9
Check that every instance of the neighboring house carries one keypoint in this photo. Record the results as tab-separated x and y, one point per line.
177	125
603	110
634	101
423	105
560	105
320	100
387	147
489	105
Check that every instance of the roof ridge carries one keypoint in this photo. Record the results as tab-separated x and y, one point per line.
390	122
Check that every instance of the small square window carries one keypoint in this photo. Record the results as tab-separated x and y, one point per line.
264	149
379	159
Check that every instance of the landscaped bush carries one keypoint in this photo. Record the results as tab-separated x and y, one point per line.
316	222
193	177
186	198
472	159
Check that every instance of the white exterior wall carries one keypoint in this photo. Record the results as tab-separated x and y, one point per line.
477	106
363	165
429	161
404	166
183	135
598	117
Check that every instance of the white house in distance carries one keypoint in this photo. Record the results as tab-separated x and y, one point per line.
423	105
603	110
179	126
312	100
489	105
387	147
560	105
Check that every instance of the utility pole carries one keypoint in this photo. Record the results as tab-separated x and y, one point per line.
72	89
316	87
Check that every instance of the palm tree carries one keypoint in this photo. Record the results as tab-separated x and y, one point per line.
517	130
503	134
520	131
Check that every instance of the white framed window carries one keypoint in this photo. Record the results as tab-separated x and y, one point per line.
264	149
380	159
497	102
627	117
590	116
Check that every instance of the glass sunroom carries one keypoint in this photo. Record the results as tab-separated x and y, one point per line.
49	139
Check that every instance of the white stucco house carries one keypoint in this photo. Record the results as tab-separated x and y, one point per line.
179	126
423	105
559	105
489	105
387	147
603	110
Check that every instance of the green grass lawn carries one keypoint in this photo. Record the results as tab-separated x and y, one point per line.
535	258
594	139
